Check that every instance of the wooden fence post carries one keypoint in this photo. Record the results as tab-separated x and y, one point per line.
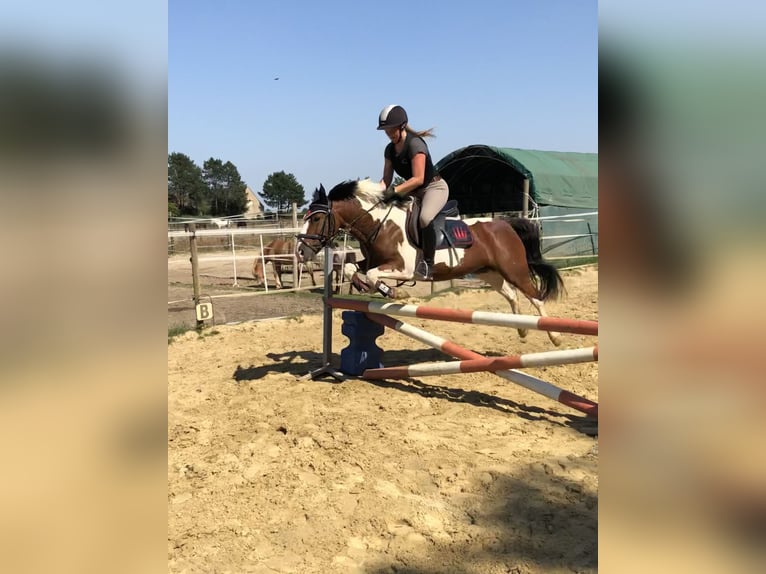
195	269
296	270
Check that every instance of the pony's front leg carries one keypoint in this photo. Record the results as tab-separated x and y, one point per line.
381	272
376	276
277	273
350	273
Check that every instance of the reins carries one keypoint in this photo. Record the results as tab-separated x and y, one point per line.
329	223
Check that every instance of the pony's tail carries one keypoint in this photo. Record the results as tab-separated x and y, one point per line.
547	279
545	276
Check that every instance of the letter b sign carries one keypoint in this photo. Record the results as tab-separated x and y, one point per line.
204	311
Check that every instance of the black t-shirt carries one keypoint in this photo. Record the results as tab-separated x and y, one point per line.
402	162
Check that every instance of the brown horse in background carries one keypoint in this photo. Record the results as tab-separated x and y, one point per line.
280	252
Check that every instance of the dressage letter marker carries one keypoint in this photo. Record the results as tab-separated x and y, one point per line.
204	311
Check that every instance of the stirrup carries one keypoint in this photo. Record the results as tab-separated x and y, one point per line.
423	272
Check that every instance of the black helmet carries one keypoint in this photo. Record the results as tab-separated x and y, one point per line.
392	117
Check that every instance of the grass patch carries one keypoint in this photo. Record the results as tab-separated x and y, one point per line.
210	333
174	332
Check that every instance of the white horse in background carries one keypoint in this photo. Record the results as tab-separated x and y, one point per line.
221	223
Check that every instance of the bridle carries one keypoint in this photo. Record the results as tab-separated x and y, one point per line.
326	235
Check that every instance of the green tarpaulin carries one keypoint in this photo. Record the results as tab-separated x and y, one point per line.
486	179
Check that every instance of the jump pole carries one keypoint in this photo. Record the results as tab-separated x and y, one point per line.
522	379
577	326
548	358
372	311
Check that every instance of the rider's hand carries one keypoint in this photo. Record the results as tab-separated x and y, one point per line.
390	195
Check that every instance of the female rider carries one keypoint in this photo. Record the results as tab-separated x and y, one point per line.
407	154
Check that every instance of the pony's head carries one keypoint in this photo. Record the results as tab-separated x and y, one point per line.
318	226
319	202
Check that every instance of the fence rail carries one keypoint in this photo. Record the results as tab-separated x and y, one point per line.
245	244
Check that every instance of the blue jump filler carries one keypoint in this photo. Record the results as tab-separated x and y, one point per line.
362	353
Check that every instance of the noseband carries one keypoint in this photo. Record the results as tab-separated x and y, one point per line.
326	235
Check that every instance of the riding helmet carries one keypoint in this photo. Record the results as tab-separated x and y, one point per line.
392	117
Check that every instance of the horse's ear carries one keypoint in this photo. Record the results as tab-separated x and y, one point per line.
321	189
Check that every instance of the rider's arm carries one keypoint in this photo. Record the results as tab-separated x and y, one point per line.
418	163
388	173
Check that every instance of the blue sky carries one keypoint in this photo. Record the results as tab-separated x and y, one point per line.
495	72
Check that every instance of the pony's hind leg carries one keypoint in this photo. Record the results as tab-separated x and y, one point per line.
277	273
525	286
505	289
554	336
523	282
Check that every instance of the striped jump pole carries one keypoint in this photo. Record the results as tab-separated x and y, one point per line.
522	379
577	326
564	357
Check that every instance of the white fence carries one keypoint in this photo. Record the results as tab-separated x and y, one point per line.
231	259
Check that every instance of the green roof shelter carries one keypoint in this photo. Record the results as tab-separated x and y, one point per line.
487	180
560	188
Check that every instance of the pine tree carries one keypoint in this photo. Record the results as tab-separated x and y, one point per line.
186	188
281	189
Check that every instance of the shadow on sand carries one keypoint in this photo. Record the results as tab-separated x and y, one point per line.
534	521
300	363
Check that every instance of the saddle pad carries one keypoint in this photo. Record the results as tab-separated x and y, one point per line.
455	233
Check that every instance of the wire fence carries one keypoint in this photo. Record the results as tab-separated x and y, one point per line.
570	237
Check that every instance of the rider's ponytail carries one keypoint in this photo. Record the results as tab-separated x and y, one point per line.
429	133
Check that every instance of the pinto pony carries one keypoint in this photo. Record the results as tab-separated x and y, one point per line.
502	253
280	253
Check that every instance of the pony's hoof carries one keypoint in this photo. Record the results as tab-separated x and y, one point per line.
399	293
361	286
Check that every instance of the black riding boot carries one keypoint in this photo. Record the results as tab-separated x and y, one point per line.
428	246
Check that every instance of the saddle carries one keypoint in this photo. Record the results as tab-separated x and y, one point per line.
451	231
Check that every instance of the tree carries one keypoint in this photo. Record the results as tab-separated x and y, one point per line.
281	189
226	190
212	174
186	188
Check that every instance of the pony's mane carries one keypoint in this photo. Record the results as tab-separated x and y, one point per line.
362	188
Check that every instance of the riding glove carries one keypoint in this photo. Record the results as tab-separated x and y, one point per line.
390	195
